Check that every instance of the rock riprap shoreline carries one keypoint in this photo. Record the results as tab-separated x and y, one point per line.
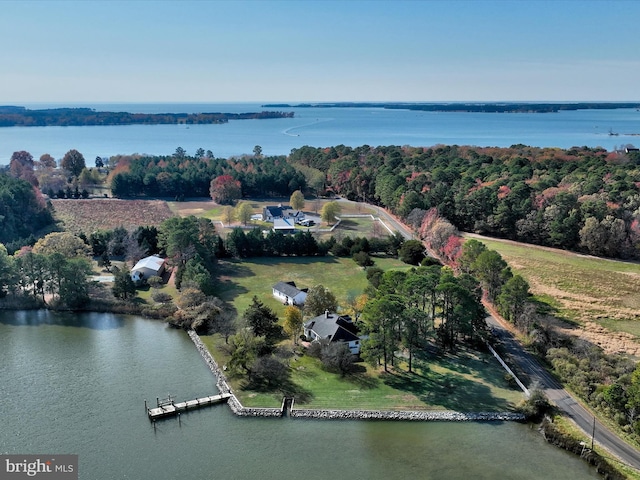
442	416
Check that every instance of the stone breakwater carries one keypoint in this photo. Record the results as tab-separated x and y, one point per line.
221	381
421	416
424	416
238	409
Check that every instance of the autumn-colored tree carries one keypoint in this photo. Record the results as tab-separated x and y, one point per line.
292	322
73	161
243	212
297	200
46	161
452	250
21	166
225	189
228	214
64	243
329	211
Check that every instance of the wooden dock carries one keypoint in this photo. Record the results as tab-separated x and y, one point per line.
168	407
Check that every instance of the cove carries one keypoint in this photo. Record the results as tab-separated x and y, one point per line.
76	383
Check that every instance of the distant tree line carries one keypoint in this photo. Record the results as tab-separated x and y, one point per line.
20	116
485	107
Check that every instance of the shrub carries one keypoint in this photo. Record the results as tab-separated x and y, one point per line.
161	297
155	281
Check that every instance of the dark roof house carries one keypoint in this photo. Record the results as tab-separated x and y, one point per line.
272	212
335	328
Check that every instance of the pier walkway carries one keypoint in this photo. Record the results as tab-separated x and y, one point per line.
168	407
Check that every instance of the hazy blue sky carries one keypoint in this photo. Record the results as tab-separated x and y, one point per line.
223	51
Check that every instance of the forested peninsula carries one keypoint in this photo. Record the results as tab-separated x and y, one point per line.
13	116
506	107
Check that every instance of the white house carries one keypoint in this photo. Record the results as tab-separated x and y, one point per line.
335	328
289	294
147	267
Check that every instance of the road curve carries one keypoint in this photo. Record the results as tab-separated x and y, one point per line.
563	399
538	376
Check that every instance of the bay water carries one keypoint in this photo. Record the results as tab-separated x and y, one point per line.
322	127
76	384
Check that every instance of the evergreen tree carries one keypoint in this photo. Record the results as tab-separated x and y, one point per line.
123	285
262	320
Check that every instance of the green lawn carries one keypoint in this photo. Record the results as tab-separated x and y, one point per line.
579	288
469	381
239	281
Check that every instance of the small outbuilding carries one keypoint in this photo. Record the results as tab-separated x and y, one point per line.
284	225
147	268
289	294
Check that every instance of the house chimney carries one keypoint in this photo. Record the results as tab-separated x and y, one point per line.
326	314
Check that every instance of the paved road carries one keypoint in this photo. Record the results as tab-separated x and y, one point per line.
539	376
565	402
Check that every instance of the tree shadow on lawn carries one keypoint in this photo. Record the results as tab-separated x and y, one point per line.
449	391
360	378
467	361
233	269
348	225
286	388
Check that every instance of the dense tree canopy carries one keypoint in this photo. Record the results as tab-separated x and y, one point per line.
23	211
537	195
185	176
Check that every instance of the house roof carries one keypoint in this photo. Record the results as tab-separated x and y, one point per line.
283	224
331	325
152	263
288	288
276	211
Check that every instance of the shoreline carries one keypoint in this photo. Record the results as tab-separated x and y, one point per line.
335	414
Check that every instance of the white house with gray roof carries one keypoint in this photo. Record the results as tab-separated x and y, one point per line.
335	328
289	294
147	267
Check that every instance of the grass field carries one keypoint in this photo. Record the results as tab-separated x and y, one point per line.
470	381
239	281
580	288
467	382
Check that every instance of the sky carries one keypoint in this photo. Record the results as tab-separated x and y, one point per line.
318	51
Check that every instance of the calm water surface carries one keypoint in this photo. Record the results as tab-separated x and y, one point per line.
77	384
322	127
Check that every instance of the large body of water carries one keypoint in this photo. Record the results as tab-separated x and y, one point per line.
76	384
322	127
